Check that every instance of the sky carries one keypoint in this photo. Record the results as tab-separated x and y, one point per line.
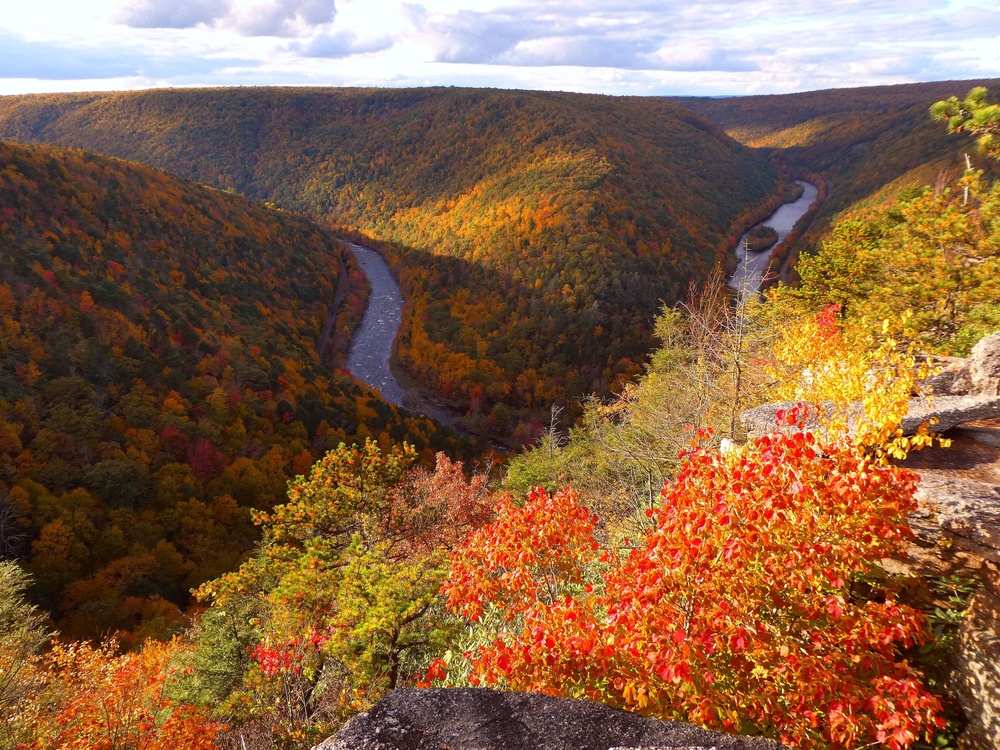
644	47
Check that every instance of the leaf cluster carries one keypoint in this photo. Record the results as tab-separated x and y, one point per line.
340	601
735	610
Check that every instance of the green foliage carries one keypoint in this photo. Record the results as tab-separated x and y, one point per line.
953	595
762	237
621	451
935	253
535	234
972	114
22	632
341	599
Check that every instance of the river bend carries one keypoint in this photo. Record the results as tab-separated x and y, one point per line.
749	272
370	354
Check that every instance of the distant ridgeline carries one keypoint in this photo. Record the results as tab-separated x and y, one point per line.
535	234
869	142
158	380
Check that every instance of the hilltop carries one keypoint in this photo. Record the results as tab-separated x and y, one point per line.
867	143
158	381
535	234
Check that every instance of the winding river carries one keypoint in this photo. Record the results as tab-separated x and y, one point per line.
747	276
370	354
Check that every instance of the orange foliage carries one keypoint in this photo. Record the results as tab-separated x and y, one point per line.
104	701
158	352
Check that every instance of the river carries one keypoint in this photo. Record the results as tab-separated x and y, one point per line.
371	349
747	276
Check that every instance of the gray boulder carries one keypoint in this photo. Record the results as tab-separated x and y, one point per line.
949	411
952	380
482	719
966	511
957	532
984	366
979	375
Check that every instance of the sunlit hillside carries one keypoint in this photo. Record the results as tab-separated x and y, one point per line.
868	142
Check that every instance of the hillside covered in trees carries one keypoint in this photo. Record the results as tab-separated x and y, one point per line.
534	234
633	558
866	142
158	381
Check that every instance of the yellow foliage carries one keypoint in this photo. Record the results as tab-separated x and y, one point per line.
860	379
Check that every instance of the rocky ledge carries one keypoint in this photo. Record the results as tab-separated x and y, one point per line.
964	391
483	719
957	532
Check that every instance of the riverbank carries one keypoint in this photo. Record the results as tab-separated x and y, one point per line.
371	357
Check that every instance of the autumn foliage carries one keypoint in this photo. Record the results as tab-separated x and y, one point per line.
98	699
343	592
534	233
159	380
748	606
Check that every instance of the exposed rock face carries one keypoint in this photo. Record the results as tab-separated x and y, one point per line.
984	366
953	380
957	529
482	719
949	411
976	678
966	510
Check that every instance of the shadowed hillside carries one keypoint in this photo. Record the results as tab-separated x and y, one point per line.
573	215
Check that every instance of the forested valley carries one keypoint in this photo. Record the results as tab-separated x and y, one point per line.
212	537
160	381
528	230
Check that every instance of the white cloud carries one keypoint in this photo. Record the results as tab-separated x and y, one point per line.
181	14
644	46
255	18
344	44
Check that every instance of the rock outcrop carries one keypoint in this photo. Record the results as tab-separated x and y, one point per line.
482	719
957	523
965	390
952	380
957	530
984	366
940	413
975	680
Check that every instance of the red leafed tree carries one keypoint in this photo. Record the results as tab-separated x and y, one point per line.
436	509
205	461
739	610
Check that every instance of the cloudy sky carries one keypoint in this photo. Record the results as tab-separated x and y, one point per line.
607	46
